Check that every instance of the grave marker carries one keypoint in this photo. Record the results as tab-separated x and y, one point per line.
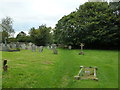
81	52
40	48
5	65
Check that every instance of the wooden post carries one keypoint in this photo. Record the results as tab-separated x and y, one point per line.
5	65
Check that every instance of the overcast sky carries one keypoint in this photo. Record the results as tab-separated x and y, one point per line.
32	13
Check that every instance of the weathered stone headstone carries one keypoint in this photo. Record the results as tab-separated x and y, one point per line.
54	46
29	46
54	49
17	45
33	48
23	46
81	52
69	47
14	45
40	48
4	48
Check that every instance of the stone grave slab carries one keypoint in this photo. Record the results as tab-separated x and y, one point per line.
87	73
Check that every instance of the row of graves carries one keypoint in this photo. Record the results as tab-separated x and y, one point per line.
84	72
9	47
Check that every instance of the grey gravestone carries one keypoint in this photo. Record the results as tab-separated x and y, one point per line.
54	49
4	48
17	45
81	52
14	45
54	46
69	47
33	48
40	48
23	46
29	46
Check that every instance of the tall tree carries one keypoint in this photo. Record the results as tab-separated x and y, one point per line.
6	28
94	23
41	36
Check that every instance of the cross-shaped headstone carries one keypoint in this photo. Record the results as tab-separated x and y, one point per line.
81	46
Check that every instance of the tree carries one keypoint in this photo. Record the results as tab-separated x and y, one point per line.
41	36
6	28
22	37
94	24
7	25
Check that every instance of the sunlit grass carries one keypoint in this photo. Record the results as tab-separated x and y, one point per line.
29	69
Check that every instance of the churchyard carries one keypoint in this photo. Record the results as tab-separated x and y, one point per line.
80	51
33	69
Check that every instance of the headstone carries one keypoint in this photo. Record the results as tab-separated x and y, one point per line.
65	46
81	52
40	48
69	47
54	46
17	45
14	45
23	46
33	48
4	48
55	51
5	65
29	46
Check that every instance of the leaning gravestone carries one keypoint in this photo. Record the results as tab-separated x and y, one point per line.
40	48
81	52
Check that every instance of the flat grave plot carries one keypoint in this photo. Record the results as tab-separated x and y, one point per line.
87	73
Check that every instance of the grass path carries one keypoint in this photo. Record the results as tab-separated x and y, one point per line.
45	70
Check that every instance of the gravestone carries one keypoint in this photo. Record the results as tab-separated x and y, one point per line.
33	48
17	45
81	52
54	49
14	46
4	47
23	46
69	47
87	73
29	46
54	46
40	48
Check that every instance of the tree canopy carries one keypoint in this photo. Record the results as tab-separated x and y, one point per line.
93	23
41	36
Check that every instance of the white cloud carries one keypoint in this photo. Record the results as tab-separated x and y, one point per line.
32	13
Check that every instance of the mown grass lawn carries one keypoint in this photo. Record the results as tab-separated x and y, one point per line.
29	69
